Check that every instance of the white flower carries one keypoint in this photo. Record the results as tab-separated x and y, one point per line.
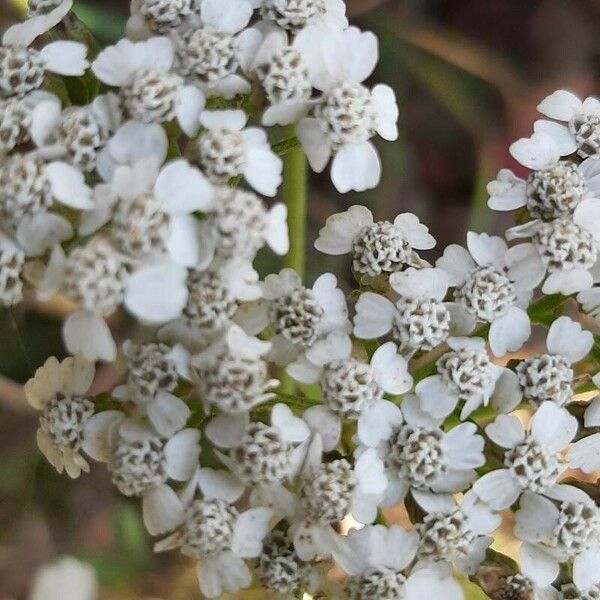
12	261
418	321
228	149
65	579
232	374
161	16
562	529
149	91
58	391
581	131
454	534
298	316
489	288
532	458
549	192
219	536
376	559
563	253
297	15
416	452
349	114
468	374
375	247
22	68
348	385
550	376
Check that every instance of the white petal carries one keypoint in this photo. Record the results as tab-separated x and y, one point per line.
356	167
561	105
336	346
190	102
229	120
162	510
168	413
290	428
263	170
421	283
185	241
416	417
525	267
499	489
183	189
321	421
53	276
568	282
374	316
315	143
44	120
457	262
433	503
157	294
304	371
567	338
463	448
509	332
487	249
219	484
224	572
100	434
391	369
536	152
369	472
42	231
250	529
225	430
68	185
386	109
586	569
506	431
536	519
351	54
585	454
563	138
87	333
341	229
65	58
23	34
435	396
333	302
507	192
181	454
276	233
377	422
226	15
587	215
553	426
285	113
537	565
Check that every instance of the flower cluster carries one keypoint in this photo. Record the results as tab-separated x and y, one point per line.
259	415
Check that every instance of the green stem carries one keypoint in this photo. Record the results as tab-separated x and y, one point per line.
294	194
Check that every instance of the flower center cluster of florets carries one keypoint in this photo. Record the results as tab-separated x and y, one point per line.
534	468
586	129
515	587
564	245
445	536
279	568
467	372
15	120
570	592
64	418
487	293
292	14
285	77
349	386
21	71
420	324
555	191
417	454
221	154
347	114
151	370
377	582
95	279
327	495
578	527
546	377
164	15
82	136
138	466
208	53
151	96
296	316
11	286
208	528
380	248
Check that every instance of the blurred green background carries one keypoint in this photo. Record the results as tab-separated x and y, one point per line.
468	75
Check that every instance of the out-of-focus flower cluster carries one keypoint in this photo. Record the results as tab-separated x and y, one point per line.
258	415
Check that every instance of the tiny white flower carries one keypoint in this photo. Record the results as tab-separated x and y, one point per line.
230	149
550	376
149	91
467	373
160	16
560	529
58	390
375	247
12	261
65	579
416	452
349	114
488	289
295	15
532	458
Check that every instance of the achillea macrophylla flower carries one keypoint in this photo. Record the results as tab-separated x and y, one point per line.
230	149
22	68
532	460
295	15
549	377
232	374
241	224
58	391
298	316
563	253
418	320
65	579
416	453
578	129
456	534
375	247
378	563
76	134
150	91
564	528
157	16
218	535
551	191
466	373
208	49
12	260
349	114
489	288
94	278
349	385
